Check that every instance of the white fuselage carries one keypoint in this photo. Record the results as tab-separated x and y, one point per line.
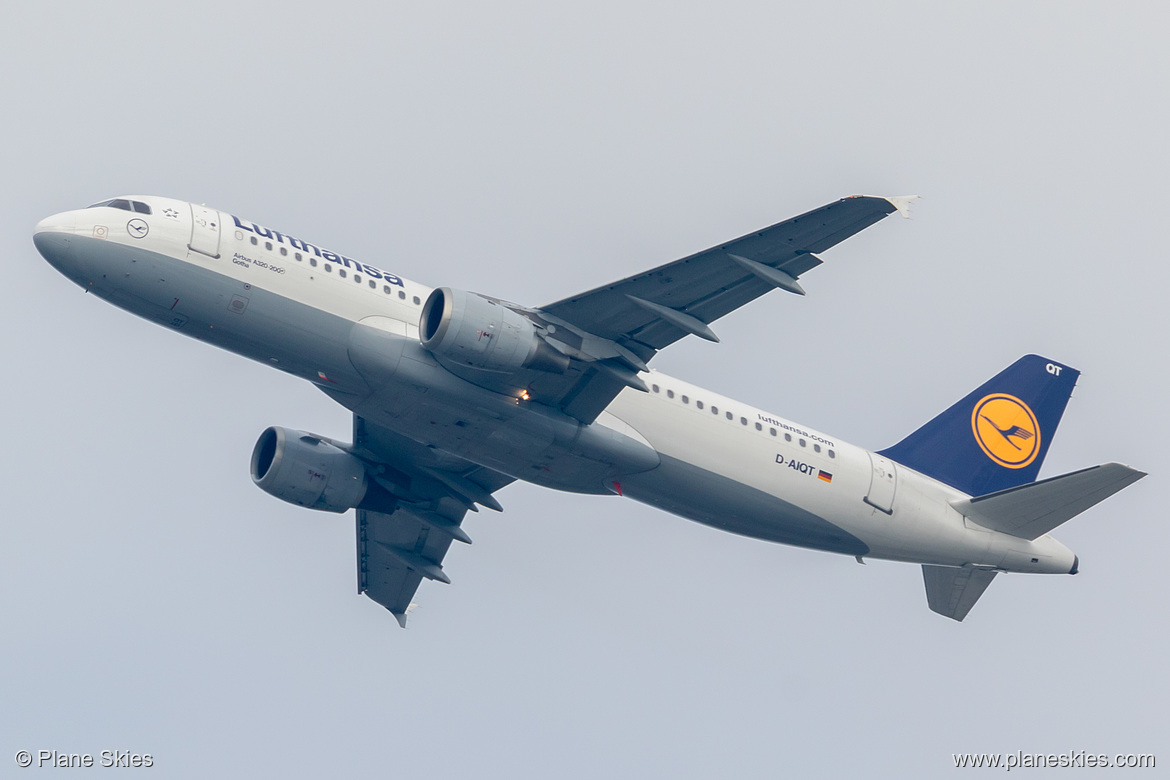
279	300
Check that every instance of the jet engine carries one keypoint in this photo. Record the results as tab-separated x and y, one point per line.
475	331
308	471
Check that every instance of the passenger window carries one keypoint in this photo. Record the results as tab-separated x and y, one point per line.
402	295
340	272
416	301
357	278
686	400
373	285
714	410
699	404
788	437
816	448
298	256
313	261
254	241
743	421
283	252
803	443
832	454
670	394
386	289
772	431
328	268
759	427
654	388
730	416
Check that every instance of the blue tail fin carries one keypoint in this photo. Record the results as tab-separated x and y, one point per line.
997	437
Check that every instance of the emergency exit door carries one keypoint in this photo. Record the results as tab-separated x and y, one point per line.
883	483
205	230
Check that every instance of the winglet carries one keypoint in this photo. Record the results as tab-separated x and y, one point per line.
401	616
902	203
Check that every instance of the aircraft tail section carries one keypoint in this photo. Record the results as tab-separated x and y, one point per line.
952	591
997	436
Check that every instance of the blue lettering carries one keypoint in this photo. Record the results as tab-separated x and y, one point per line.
305	246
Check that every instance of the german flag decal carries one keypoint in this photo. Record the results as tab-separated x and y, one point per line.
824	476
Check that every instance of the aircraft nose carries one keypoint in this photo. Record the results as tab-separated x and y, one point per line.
53	238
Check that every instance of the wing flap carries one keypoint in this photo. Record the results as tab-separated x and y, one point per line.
1032	510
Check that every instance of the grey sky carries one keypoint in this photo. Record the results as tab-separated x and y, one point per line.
154	600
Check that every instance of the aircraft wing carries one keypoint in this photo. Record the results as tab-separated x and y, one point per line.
397	549
611	332
654	309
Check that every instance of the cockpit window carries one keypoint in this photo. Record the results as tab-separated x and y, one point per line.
125	205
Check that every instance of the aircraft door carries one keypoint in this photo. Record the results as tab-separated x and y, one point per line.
883	483
205	230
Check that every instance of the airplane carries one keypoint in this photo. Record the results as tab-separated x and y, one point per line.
456	394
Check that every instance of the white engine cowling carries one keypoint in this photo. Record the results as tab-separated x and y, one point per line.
302	469
475	331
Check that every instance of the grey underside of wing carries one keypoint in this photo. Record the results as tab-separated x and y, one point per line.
710	284
397	550
384	577
952	591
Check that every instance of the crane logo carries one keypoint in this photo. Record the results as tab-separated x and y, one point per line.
1006	430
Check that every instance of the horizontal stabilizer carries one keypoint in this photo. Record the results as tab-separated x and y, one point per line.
952	591
1032	510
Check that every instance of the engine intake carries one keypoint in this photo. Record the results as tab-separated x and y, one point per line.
475	331
307	471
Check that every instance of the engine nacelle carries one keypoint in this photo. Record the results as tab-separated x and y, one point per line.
474	331
302	469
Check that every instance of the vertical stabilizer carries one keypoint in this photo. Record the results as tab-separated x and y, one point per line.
995	438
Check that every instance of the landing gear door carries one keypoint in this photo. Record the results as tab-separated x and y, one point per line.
883	483
205	230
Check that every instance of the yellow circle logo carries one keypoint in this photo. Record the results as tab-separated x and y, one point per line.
1006	430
